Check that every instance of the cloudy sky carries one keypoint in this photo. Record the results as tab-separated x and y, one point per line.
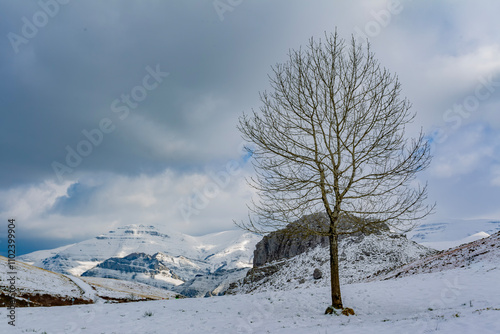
119	112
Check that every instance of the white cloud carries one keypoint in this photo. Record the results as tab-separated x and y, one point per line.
495	173
120	200
464	152
462	72
27	203
460	163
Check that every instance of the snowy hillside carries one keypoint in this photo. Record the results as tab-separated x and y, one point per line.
360	256
37	286
485	251
446	234
213	284
455	301
119	290
40	287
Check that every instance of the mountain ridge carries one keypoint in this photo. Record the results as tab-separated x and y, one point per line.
177	257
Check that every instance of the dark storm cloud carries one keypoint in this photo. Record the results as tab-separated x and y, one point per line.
65	79
77	199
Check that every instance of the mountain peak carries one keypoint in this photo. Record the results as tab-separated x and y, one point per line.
133	230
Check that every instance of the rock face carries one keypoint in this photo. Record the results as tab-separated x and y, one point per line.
136	266
278	245
209	285
361	257
135	263
299	237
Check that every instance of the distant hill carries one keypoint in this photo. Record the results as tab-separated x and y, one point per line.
40	287
450	233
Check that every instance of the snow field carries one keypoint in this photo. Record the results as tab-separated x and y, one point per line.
463	300
108	287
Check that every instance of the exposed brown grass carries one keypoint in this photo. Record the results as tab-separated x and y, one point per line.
37	300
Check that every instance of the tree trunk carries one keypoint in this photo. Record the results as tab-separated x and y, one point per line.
334	271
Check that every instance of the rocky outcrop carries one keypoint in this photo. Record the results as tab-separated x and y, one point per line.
360	258
305	234
132	264
278	245
254	276
212	284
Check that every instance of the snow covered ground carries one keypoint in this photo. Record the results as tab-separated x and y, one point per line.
464	300
118	289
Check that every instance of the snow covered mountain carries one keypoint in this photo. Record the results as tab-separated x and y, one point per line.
442	235
177	257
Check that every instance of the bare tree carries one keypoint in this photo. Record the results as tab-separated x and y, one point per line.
330	137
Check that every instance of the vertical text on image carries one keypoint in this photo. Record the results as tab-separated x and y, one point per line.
11	273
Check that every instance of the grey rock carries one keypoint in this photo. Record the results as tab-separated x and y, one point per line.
317	274
210	284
